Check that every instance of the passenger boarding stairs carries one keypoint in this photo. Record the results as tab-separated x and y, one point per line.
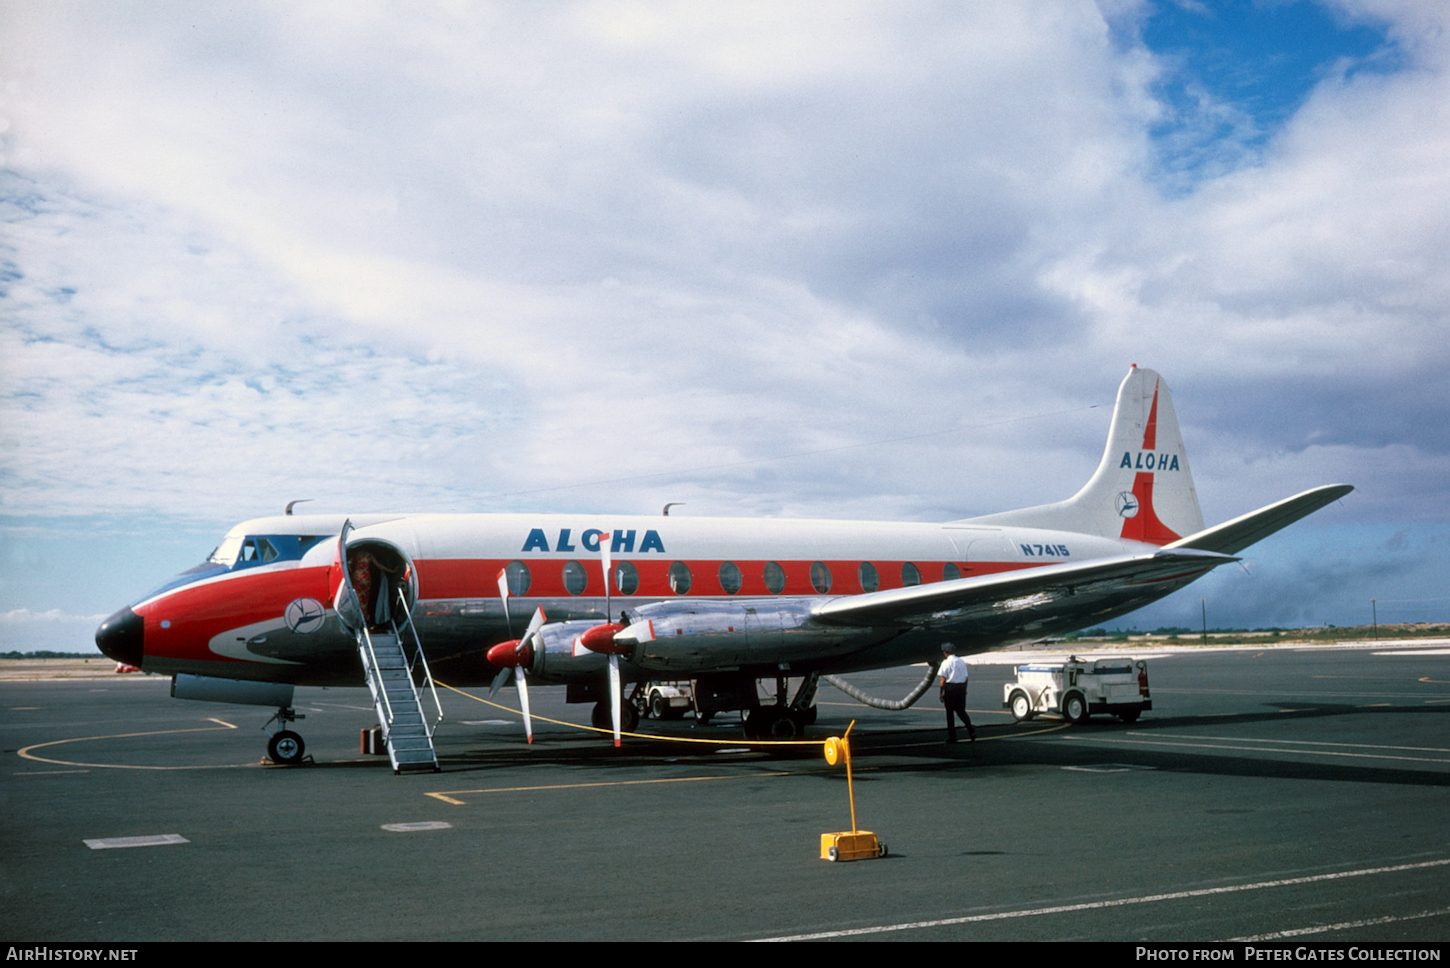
406	730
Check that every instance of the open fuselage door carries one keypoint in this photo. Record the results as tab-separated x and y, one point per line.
375	601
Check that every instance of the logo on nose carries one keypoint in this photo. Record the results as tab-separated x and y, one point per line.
304	615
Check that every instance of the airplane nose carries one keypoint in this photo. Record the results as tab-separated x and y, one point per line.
120	637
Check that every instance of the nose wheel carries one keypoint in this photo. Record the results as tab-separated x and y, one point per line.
285	747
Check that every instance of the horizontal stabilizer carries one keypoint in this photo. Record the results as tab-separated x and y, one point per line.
1233	536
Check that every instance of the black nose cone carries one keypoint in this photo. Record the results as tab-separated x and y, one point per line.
120	637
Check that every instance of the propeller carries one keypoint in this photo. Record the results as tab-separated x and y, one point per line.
515	655
614	698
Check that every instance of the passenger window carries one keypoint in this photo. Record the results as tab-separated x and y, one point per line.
774	578
729	577
626	578
517	574
820	577
870	580
950	572
910	575
680	578
576	579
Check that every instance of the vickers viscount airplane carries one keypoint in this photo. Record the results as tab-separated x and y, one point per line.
304	599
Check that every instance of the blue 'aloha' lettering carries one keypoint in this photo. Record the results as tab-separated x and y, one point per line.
1149	460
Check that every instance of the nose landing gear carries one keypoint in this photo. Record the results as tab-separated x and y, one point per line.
285	747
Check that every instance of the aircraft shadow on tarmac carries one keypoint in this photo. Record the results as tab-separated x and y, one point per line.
893	749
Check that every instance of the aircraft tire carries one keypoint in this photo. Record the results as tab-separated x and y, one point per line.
760	722
784	728
601	717
286	748
1075	709
628	718
1021	706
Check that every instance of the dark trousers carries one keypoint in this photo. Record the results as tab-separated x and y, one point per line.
954	698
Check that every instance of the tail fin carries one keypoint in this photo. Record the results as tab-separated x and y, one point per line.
1142	490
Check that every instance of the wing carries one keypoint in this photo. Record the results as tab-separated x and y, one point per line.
1036	598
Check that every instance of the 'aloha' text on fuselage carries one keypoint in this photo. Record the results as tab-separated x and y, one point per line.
620	541
1149	461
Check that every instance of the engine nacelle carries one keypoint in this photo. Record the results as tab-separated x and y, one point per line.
681	637
557	651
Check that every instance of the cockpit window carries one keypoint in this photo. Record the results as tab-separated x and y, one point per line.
226	552
258	550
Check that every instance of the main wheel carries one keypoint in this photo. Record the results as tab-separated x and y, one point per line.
1074	708
628	718
601	717
1021	706
784	728
285	748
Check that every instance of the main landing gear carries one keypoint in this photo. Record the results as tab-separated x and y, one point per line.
285	747
603	717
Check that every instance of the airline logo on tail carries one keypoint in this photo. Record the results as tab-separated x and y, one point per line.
1140	522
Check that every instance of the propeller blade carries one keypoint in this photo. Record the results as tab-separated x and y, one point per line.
522	677
500	680
503	592
605	561
614	694
523	684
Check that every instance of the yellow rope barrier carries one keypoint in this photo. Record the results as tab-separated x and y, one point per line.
610	732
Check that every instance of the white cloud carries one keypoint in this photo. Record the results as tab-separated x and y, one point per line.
398	258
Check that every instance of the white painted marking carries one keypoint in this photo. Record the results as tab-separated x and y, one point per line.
407	828
155	840
1120	902
1416	652
1109	768
1238	748
1344	926
1302	742
735	749
488	722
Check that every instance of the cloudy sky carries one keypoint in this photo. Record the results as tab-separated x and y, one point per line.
859	260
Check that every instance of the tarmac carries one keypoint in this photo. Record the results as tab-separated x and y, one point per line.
1271	793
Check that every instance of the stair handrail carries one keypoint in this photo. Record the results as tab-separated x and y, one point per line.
418	656
376	675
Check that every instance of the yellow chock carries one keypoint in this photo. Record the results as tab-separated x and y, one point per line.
850	844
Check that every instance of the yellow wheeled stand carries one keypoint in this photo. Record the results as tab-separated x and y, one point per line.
850	844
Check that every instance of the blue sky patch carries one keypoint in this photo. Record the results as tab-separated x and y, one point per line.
1235	72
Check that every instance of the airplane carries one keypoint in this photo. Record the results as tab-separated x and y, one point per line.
723	602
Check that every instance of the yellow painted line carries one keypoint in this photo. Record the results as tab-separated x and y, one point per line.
448	795
221	724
